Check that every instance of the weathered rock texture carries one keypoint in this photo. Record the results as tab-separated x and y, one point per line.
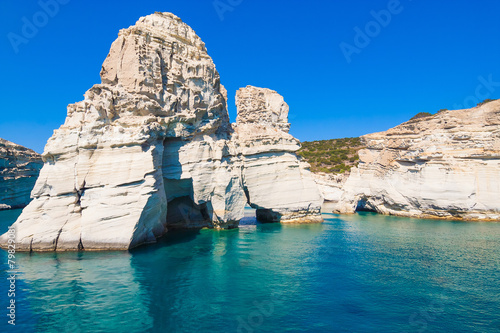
148	149
445	166
19	168
331	186
277	184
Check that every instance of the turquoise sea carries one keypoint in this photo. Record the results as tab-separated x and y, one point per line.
360	273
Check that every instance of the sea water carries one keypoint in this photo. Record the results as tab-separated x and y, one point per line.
358	273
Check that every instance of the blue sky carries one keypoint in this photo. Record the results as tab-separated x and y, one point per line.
429	55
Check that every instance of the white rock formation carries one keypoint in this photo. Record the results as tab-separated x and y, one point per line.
331	186
148	149
277	184
445	166
19	168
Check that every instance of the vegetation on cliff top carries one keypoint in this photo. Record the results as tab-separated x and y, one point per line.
421	115
428	114
486	101
338	156
331	156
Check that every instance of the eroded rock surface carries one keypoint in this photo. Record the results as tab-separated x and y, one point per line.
445	166
150	149
19	168
277	184
331	186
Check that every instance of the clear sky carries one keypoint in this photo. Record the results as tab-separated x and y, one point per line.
346	68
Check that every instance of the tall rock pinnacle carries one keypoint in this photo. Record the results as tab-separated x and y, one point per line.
150	149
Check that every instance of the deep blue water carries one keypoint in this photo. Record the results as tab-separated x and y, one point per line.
361	273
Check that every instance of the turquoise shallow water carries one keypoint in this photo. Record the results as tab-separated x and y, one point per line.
361	273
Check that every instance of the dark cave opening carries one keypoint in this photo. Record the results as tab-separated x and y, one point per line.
184	213
364	206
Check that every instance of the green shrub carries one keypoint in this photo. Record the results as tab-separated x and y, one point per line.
331	156
421	115
486	101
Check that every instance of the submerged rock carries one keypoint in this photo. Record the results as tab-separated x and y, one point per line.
151	148
445	166
19	168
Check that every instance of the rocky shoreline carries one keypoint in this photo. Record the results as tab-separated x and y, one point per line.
445	166
19	169
151	149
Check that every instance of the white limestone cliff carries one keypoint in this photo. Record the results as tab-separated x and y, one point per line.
19	168
444	166
149	149
331	186
277	184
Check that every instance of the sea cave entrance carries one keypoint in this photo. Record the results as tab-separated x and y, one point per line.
364	205
182	211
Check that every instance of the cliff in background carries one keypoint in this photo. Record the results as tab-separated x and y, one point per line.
441	166
331	163
19	169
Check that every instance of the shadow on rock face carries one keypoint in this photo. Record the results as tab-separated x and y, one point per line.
173	237
268	216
